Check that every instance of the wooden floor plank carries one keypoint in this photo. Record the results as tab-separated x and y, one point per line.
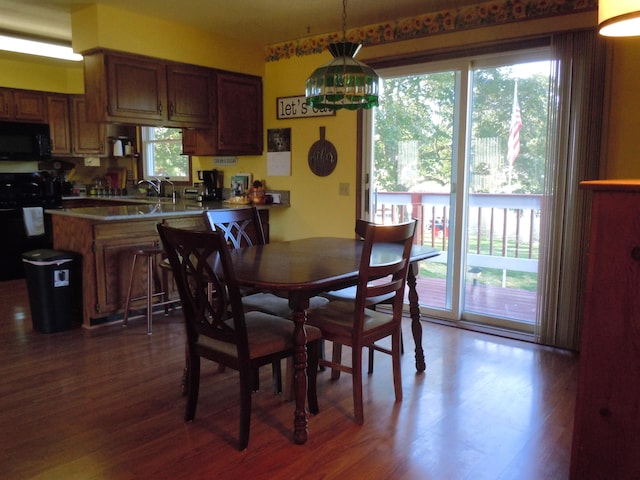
106	404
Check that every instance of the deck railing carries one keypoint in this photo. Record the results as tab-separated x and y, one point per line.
503	229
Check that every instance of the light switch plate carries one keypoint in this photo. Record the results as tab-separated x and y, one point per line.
91	162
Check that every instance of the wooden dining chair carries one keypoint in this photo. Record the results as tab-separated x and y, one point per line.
217	326
348	294
352	323
242	227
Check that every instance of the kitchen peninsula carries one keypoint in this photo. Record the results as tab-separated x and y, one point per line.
106	235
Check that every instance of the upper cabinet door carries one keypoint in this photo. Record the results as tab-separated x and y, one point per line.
23	105
89	138
136	88
239	114
6	104
59	124
30	106
190	93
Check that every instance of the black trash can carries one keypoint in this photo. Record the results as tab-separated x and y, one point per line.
55	289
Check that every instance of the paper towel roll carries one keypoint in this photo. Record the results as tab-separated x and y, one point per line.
117	148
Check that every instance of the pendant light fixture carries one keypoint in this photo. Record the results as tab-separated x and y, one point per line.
619	18
344	82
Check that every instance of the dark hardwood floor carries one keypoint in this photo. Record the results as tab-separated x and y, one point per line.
106	404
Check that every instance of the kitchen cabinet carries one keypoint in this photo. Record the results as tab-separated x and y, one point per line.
106	248
237	122
71	132
190	95
23	105
199	142
239	114
89	138
6	104
607	415
141	90
59	126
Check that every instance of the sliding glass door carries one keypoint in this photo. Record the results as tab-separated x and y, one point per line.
461	145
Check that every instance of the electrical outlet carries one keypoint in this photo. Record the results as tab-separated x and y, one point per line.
343	189
91	162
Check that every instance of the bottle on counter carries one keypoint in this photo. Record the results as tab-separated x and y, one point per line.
256	193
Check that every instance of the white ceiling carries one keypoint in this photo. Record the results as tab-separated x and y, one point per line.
263	21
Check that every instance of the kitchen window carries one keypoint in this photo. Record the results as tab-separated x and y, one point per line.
162	154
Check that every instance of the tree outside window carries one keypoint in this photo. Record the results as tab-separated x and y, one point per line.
163	158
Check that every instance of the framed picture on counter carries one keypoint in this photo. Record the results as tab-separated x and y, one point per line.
240	183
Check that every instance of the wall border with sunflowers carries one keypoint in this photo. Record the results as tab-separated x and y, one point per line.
484	14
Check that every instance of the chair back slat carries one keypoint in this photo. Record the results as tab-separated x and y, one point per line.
241	227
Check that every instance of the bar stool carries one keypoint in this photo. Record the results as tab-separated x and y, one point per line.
155	288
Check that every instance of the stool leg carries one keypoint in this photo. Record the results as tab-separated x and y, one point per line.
127	304
164	285
150	267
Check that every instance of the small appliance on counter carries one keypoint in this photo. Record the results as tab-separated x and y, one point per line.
212	181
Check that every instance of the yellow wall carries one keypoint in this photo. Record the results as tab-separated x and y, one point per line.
316	208
19	71
102	26
620	148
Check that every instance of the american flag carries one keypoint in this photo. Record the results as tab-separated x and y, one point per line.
513	146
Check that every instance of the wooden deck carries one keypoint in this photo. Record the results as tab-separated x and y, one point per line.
482	299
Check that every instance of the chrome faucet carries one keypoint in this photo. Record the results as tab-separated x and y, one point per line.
173	188
155	186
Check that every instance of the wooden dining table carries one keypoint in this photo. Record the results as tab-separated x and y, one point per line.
301	269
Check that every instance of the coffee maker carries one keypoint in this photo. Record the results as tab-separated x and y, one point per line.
212	180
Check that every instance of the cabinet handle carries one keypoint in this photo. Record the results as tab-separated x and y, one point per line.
635	253
171	109
160	107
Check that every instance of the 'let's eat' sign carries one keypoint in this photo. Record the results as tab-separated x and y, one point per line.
296	107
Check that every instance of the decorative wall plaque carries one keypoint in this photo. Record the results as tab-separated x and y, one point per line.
323	156
296	107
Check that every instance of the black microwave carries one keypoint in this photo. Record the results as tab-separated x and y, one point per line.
24	141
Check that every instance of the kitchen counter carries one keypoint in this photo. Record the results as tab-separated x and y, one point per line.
144	208
109	229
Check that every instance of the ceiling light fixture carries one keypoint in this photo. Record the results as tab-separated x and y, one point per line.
32	47
344	82
619	18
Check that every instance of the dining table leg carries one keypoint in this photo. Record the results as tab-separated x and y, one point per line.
414	312
299	316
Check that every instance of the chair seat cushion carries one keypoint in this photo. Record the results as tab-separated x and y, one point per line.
270	303
349	294
267	334
337	318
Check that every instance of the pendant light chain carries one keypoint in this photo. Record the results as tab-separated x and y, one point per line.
344	20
